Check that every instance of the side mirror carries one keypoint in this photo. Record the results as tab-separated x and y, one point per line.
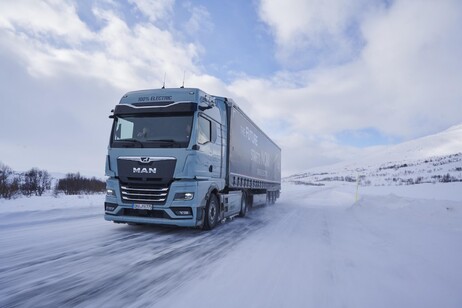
206	102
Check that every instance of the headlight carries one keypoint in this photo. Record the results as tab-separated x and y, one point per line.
110	192
184	196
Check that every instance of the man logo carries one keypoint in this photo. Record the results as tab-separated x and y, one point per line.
144	170
145	159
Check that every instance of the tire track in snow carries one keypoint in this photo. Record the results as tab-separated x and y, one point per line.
146	262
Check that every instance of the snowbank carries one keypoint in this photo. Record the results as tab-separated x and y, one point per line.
48	202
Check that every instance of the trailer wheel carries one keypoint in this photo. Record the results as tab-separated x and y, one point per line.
211	213
244	205
271	197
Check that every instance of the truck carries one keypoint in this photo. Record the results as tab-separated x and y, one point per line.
182	157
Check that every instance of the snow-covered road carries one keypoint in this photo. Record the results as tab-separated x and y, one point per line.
314	248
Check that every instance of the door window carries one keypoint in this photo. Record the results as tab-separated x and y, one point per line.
204	131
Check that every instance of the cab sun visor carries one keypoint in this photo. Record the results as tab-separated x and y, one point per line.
144	108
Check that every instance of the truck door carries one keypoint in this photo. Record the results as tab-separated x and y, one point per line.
210	151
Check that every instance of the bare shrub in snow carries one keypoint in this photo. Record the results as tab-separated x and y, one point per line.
9	183
35	181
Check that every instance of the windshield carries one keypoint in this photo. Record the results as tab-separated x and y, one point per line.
152	131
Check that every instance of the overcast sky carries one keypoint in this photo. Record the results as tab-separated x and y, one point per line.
326	79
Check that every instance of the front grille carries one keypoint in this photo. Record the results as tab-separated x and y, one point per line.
137	193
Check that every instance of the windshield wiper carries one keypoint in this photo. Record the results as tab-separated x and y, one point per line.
162	140
132	140
166	142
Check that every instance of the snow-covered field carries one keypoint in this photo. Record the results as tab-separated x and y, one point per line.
398	246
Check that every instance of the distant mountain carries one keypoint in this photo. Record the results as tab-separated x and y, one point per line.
430	159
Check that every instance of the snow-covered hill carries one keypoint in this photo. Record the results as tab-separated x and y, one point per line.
430	159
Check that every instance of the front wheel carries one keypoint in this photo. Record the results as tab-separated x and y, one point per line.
244	205
211	213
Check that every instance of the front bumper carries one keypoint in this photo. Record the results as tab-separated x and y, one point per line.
183	222
174	212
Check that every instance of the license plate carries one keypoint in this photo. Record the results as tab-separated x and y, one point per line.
138	206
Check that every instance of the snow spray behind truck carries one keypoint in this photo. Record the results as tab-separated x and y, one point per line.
183	157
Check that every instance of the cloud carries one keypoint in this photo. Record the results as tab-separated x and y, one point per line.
388	67
413	62
199	21
301	151
124	56
404	82
44	20
154	9
60	78
311	31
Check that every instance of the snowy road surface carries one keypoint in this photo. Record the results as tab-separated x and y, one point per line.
314	248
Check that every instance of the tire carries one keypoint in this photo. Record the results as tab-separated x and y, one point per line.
271	197
211	213
244	206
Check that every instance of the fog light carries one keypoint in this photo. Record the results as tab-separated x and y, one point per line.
109	207
182	211
110	192
184	196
